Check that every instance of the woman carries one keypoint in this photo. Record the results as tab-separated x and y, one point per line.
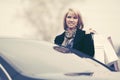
73	36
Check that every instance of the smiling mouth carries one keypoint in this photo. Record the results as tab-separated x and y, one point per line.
71	24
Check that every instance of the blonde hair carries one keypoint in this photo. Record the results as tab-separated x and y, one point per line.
80	24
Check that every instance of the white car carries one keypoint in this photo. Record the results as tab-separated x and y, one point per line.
23	59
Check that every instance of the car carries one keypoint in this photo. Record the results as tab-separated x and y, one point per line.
27	59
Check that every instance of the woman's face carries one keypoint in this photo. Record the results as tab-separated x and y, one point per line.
71	20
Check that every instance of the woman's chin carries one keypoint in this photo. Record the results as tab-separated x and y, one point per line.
71	27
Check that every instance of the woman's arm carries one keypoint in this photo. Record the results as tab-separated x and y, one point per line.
59	39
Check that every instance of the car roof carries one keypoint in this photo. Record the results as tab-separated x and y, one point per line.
33	57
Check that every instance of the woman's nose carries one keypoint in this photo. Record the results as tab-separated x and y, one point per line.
71	19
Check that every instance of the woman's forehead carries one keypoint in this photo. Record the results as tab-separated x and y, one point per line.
72	13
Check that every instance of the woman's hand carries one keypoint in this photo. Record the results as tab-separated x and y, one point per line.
89	31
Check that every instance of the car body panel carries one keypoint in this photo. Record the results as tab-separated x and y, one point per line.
39	60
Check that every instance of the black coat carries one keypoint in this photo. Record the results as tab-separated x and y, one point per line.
82	42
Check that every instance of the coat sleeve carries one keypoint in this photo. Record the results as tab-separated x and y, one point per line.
59	39
89	45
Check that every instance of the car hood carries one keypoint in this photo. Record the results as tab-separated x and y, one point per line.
38	59
79	76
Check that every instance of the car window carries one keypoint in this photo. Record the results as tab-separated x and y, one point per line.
3	74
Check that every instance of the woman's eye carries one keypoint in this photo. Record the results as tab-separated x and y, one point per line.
68	16
72	17
75	17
